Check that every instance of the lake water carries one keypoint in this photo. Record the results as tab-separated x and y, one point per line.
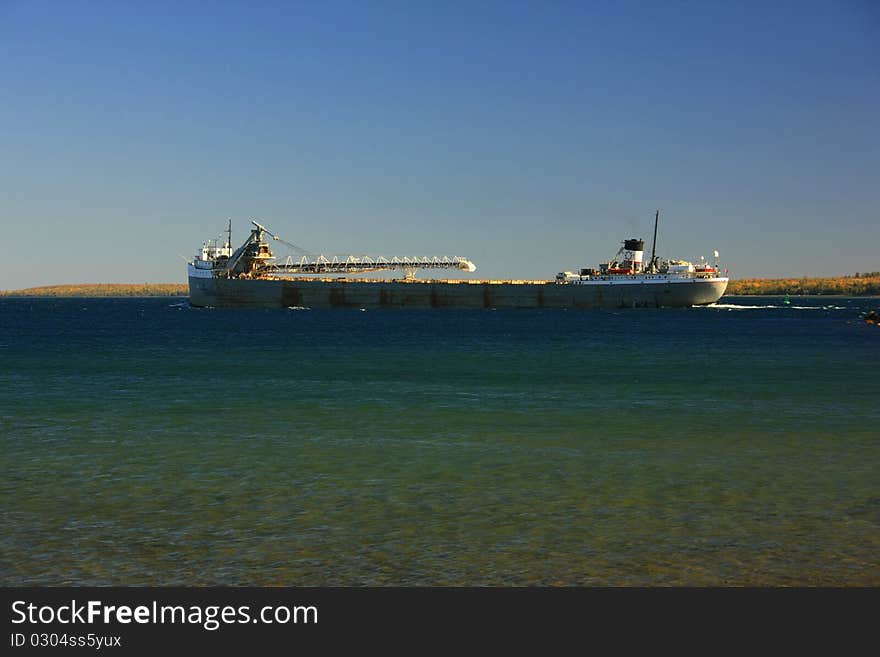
146	442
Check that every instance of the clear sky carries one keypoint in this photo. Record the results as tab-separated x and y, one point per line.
531	137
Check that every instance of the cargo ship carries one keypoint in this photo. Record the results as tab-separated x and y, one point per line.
252	277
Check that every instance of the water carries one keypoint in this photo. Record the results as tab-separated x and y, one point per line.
146	442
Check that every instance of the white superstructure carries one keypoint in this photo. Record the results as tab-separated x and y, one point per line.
626	267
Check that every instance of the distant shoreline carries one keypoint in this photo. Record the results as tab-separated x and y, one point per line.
845	286
102	290
859	285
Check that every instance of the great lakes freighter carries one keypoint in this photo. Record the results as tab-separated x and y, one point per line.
252	277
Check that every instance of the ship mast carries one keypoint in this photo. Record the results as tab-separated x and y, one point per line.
654	242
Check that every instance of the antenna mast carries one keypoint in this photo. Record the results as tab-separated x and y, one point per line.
229	234
654	242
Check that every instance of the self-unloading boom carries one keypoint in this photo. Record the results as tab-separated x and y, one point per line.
254	259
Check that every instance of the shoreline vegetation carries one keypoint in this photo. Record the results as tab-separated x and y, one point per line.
860	284
102	290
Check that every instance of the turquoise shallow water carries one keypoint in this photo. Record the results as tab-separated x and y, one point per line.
145	442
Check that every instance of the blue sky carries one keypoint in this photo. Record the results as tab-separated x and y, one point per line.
531	137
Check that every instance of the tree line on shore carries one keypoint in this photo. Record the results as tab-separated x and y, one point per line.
103	290
860	284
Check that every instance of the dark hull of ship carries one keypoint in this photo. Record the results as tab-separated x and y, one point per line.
326	293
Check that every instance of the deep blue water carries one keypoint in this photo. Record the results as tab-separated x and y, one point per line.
146	442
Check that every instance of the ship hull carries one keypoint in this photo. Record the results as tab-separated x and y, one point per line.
325	293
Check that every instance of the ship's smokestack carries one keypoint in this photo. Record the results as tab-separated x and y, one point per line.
633	252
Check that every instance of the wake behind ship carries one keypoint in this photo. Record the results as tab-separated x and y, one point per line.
252	277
